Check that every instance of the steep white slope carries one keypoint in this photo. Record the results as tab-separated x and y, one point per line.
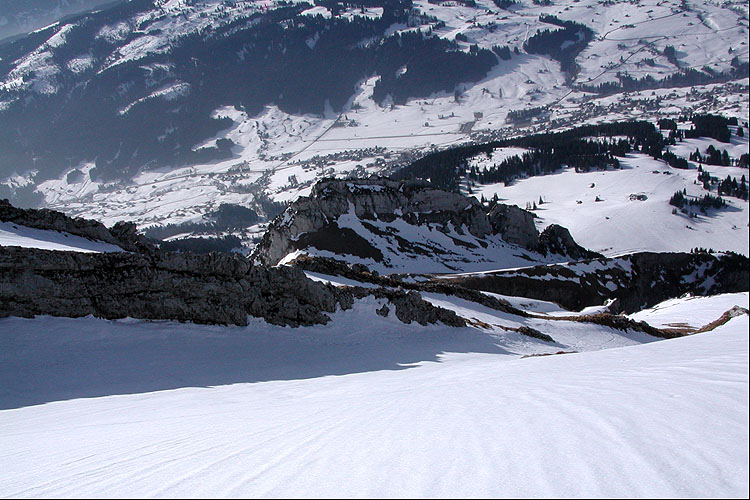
366	409
22	236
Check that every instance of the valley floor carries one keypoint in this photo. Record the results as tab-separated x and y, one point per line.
369	407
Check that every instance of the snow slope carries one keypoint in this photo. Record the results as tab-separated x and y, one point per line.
362	408
22	236
694	312
618	224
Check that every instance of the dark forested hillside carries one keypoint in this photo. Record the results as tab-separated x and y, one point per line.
547	153
586	148
107	112
563	43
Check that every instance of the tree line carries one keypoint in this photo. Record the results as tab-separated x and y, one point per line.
685	77
585	148
547	153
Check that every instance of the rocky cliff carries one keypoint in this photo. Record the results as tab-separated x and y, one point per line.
397	224
202	288
227	289
374	199
633	281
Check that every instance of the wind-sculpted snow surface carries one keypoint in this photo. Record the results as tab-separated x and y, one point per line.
139	409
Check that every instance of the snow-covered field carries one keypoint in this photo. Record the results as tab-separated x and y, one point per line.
693	312
620	224
367	407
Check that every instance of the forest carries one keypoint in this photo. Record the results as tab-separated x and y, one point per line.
583	149
562	44
575	148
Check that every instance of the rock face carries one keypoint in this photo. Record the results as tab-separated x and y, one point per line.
377	198
202	288
314	221
410	307
355	272
122	234
634	281
556	239
208	288
515	225
147	283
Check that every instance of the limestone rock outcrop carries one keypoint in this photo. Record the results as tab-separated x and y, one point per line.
515	225
206	288
377	198
313	221
633	282
201	288
147	283
556	239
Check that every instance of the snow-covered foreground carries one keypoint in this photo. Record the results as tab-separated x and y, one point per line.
363	408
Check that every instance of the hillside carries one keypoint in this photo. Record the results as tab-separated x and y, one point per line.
370	407
374	248
19	18
150	125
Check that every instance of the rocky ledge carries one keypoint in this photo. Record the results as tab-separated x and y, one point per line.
312	221
201	288
633	282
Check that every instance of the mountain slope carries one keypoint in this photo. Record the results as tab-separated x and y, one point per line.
416	413
192	102
18	18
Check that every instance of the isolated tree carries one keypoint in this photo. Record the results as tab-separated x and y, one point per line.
670	54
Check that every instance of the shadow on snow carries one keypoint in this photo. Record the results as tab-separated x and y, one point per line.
50	359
